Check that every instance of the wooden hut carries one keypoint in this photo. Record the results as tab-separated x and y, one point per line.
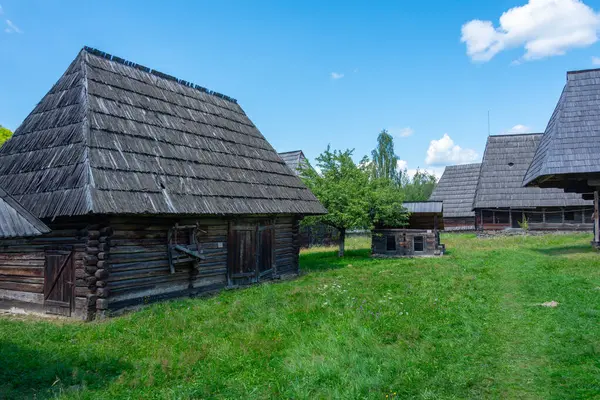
501	201
567	157
456	189
419	238
153	188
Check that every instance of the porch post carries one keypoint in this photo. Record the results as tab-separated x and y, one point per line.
596	220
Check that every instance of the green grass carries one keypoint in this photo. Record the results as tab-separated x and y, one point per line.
467	325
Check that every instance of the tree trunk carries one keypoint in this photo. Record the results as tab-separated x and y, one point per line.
342	242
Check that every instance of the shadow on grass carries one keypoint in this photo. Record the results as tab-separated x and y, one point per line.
567	250
328	260
27	373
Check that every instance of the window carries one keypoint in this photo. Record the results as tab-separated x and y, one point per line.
502	217
570	216
488	217
553	216
390	243
418	243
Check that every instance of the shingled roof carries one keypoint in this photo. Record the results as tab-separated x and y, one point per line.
505	161
114	137
15	221
571	142
293	159
456	189
424	207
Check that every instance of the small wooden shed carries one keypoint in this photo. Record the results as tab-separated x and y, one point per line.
419	238
153	188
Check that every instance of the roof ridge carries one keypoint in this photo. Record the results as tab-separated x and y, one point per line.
581	71
517	134
119	60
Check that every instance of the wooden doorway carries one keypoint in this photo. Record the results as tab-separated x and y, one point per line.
59	277
251	253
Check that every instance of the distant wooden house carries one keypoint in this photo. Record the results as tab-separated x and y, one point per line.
568	155
294	159
419	238
456	188
317	234
501	201
153	188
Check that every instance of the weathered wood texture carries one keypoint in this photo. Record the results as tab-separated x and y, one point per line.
23	262
138	267
406	242
541	218
459	224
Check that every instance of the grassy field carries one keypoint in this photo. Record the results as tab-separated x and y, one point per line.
468	325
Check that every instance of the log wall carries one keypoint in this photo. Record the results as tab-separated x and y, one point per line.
123	261
138	272
22	263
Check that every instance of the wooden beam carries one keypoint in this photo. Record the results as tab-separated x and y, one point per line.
596	220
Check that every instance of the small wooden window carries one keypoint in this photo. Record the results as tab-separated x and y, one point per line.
570	216
418	243
390	243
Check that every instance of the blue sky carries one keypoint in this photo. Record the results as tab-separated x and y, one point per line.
314	73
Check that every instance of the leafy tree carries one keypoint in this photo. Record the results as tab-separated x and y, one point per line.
386	204
342	188
353	198
5	134
420	187
385	160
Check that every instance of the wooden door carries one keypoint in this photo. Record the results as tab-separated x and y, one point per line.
265	251
251	253
242	254
59	282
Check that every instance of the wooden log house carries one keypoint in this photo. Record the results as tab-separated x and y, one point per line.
456	188
419	238
502	202
152	188
567	157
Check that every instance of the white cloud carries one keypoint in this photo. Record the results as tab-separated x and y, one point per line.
517	129
402	165
444	151
336	75
1	10
402	132
11	27
543	27
596	60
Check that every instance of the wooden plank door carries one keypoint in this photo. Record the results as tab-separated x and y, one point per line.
265	251
242	254
59	282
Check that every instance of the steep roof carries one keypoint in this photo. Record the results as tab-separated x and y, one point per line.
15	221
505	161
293	159
571	142
424	207
456	189
114	137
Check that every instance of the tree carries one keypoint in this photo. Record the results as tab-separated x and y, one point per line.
5	134
352	197
420	187
386	207
385	160
342	188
